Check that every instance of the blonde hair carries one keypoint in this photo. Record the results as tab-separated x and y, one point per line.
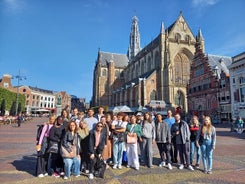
207	127
192	120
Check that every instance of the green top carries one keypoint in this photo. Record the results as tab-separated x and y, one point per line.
136	129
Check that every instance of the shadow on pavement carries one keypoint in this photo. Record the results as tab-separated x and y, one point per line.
26	164
231	134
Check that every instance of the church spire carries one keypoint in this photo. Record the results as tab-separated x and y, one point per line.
162	28
200	40
134	45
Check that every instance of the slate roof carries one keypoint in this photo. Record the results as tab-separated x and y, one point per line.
222	62
120	60
40	90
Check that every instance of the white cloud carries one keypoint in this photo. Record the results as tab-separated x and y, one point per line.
15	6
204	2
233	46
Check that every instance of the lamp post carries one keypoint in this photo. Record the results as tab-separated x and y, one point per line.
217	77
19	78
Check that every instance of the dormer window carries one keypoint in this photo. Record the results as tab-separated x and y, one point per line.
177	37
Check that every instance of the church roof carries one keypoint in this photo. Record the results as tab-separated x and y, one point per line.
222	62
120	60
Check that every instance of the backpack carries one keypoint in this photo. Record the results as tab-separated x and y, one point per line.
39	131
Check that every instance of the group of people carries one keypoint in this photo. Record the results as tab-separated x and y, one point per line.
69	145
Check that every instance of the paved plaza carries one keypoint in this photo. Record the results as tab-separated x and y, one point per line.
18	161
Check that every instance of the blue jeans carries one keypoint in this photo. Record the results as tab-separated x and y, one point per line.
72	165
117	152
192	152
207	154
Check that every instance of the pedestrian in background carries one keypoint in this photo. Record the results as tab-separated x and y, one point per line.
207	139
19	119
239	123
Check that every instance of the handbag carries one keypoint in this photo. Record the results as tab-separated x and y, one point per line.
53	147
67	154
121	137
131	139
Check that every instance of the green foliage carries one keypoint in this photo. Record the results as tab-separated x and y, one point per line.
10	99
3	107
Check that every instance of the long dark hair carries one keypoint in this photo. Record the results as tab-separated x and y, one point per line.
149	119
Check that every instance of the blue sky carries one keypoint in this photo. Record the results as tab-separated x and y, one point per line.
54	43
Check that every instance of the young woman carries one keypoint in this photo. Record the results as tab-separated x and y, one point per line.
97	139
72	165
133	129
118	126
148	138
66	117
107	149
83	133
42	146
163	139
194	129
55	161
207	139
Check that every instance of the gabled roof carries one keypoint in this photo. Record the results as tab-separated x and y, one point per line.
222	62
120	60
146	75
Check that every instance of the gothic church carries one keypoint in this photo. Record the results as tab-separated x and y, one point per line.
159	71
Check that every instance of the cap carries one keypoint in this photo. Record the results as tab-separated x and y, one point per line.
139	114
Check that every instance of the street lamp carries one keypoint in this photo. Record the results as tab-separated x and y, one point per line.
19	78
217	77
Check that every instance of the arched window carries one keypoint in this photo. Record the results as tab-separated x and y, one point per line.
142	67
153	95
157	60
104	73
181	68
149	64
177	37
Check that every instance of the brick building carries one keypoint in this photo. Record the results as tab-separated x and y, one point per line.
209	85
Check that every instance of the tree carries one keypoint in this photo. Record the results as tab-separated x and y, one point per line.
13	109
2	109
19	108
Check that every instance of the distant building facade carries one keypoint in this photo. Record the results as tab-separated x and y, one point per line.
237	83
159	71
37	99
78	103
209	85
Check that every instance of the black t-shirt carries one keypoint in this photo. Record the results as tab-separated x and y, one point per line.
178	137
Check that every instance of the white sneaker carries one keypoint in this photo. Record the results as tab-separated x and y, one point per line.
86	171
40	176
162	164
119	167
65	178
46	174
181	167
190	168
170	166
114	166
91	176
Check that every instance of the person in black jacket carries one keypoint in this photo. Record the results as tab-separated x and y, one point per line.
55	161
97	139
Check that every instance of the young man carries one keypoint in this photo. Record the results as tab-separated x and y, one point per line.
181	132
173	150
91	120
100	113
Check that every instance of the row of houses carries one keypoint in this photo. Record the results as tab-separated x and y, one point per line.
42	100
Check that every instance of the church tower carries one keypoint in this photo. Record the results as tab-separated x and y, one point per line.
134	45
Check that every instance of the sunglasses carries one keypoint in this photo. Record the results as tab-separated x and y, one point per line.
99	126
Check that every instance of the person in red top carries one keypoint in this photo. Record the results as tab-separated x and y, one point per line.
194	128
